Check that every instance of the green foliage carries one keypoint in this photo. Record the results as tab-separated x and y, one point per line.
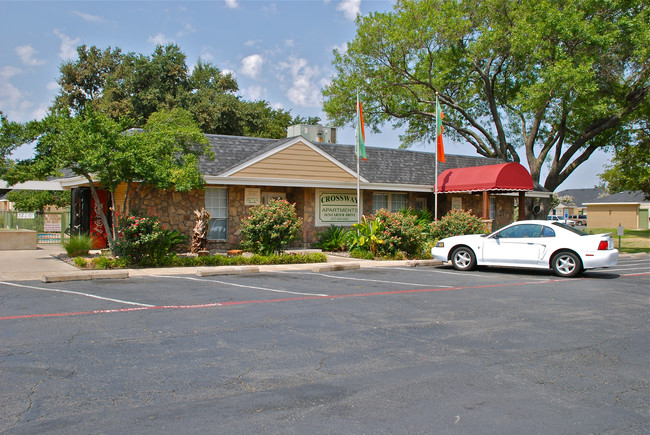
133	85
164	155
362	254
78	245
270	227
109	263
630	168
142	240
367	235
455	223
401	233
558	79
332	239
80	262
38	200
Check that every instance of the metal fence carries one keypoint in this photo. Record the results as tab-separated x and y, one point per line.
50	226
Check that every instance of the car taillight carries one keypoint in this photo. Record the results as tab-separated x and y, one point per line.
603	245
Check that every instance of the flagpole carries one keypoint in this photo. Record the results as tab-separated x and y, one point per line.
435	182
357	151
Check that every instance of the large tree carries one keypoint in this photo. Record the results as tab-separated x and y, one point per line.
135	86
163	155
553	81
630	167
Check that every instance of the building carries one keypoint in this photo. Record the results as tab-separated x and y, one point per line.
321	179
629	209
579	197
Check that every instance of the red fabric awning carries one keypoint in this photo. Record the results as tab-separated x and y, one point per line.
507	177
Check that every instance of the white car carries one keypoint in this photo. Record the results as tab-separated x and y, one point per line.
531	244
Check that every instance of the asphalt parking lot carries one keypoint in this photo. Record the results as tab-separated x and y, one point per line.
381	350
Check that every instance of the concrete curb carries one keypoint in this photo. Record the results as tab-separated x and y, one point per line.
335	267
85	276
226	270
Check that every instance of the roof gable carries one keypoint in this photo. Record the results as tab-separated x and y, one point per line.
294	159
384	166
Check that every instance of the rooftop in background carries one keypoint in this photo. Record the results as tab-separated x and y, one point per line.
622	197
583	196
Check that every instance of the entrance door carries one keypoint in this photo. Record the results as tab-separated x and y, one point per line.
97	230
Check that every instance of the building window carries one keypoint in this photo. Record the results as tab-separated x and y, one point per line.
216	203
392	202
379	201
398	201
493	208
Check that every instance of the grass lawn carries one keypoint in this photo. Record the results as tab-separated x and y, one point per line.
632	241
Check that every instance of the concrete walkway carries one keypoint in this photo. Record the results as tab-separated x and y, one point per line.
42	265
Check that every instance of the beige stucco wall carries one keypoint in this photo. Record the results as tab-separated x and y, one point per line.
613	215
297	162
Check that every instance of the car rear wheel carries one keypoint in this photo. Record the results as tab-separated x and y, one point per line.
463	258
566	264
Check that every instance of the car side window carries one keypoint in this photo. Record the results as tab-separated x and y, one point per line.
521	231
548	232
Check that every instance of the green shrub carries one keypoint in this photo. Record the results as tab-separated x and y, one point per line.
78	246
366	235
332	239
455	223
80	262
109	263
270	227
400	233
362	254
141	240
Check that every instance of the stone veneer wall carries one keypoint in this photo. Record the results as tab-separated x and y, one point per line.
175	210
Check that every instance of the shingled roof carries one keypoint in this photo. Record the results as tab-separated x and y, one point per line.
383	165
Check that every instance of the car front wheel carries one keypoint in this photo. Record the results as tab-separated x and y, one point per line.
463	258
566	264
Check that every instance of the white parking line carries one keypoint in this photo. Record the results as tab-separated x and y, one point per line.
377	280
119	301
240	285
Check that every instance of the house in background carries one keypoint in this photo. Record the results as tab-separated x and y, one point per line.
629	209
321	179
577	206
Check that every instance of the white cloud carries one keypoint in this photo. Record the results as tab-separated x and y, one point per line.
305	88
159	39
52	86
232	4
350	8
12	100
252	42
187	29
26	54
252	65
8	72
68	46
89	17
255	93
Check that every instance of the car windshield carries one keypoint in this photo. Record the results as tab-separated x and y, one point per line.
570	228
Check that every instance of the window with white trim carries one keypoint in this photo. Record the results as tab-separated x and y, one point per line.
216	203
379	201
392	202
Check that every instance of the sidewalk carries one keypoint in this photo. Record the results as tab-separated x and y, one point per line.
41	265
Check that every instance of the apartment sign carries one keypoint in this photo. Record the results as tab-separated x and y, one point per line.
336	208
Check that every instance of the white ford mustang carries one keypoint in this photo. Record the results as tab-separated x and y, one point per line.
531	244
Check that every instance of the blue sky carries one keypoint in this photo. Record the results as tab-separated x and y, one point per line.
279	51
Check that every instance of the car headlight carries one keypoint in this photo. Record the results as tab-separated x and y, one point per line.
440	245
